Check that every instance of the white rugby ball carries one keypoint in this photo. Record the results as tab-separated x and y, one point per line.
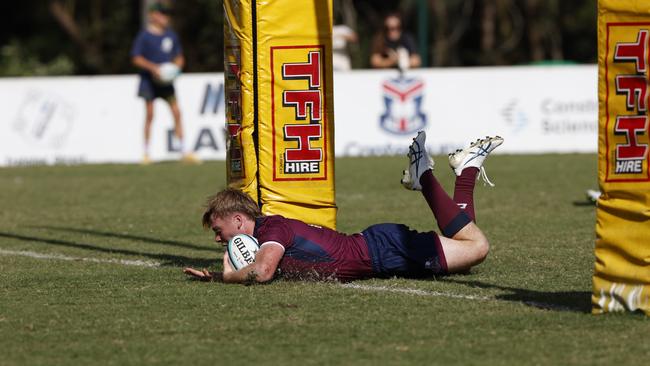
168	72
241	250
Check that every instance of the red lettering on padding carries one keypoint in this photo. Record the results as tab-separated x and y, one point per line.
303	98
306	70
636	89
631	126
303	134
635	52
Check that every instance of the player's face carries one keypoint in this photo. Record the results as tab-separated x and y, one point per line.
226	227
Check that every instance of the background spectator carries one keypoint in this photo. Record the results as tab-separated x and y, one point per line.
341	36
154	46
392	47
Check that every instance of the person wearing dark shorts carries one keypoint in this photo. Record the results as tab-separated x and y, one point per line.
154	46
291	248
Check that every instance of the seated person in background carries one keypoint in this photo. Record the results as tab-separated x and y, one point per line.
393	48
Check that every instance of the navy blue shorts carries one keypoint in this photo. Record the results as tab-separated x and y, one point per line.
149	90
396	250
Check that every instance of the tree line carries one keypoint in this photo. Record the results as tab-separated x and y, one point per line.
90	37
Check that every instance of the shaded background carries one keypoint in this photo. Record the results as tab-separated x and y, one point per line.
88	37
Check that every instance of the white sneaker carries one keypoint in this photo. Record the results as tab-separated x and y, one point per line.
474	156
419	162
593	195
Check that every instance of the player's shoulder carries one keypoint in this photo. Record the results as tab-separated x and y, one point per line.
271	221
273	228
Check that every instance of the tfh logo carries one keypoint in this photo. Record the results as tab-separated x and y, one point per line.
632	83
303	112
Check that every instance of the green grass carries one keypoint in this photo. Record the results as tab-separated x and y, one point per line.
532	294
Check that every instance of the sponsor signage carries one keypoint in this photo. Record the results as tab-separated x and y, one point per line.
74	120
537	109
70	120
621	280
403	109
627	134
299	118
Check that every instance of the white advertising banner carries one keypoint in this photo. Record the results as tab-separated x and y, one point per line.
535	109
70	120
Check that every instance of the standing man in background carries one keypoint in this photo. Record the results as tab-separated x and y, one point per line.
155	46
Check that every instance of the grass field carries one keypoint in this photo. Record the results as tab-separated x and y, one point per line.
91	260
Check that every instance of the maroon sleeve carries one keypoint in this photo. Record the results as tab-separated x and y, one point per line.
276	229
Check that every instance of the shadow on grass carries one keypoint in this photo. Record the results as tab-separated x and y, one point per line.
575	301
165	259
584	204
107	234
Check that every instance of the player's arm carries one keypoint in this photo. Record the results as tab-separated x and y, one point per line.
179	60
262	270
415	60
142	63
379	61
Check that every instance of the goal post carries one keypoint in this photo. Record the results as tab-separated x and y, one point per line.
621	280
279	106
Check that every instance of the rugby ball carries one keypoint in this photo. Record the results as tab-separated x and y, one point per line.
168	72
241	250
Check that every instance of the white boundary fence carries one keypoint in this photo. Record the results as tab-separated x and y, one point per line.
69	120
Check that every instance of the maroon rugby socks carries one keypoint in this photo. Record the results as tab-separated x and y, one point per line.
464	191
449	216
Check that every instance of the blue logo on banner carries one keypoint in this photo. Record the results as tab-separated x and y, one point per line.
403	101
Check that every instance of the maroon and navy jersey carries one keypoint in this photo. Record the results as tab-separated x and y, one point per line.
312	252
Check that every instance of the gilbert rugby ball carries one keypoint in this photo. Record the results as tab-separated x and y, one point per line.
168	72
241	250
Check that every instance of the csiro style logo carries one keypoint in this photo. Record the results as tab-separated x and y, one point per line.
403	113
44	119
515	116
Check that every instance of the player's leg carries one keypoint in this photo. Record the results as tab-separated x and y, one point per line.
467	164
176	114
147	93
464	191
188	157
148	121
463	243
419	176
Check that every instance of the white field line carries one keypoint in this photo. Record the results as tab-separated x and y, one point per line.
126	262
416	292
354	286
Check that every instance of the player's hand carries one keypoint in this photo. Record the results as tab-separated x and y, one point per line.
202	275
392	58
155	72
227	267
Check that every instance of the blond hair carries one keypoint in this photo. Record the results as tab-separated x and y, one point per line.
227	202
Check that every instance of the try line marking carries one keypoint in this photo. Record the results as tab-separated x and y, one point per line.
354	286
126	262
416	292
412	291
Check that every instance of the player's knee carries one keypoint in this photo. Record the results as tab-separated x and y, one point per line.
481	250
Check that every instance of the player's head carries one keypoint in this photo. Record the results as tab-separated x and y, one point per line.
227	202
159	14
227	213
